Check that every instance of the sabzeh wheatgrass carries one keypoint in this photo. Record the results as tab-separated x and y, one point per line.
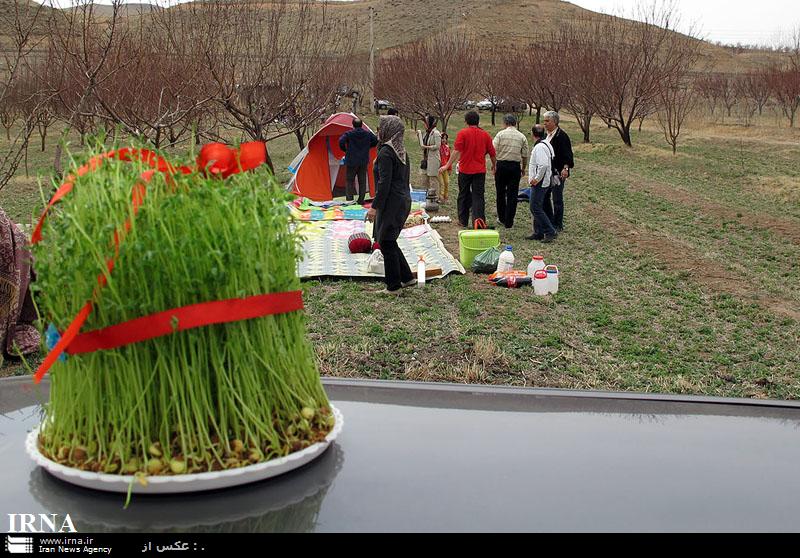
206	399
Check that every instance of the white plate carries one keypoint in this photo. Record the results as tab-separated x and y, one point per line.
196	482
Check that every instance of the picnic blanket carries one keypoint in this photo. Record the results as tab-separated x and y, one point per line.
326	253
303	209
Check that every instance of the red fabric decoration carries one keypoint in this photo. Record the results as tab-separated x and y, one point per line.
376	246
186	317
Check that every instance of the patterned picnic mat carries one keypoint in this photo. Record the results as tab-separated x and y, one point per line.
302	209
327	254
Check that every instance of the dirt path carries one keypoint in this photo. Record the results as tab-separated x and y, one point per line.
708	274
786	228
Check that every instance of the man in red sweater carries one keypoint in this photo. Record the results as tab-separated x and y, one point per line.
472	146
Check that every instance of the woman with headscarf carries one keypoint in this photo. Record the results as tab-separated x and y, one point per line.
18	336
430	143
392	202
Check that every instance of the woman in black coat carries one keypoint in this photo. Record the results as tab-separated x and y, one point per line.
392	202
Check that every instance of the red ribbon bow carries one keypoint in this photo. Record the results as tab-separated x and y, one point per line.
219	159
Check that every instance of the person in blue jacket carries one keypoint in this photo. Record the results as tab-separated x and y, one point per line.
356	145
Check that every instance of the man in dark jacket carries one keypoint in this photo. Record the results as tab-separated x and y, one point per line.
356	144
562	163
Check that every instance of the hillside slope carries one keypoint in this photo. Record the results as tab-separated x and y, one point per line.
510	22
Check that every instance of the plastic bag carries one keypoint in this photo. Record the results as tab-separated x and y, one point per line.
486	261
375	263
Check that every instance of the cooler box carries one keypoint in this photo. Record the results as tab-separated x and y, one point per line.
471	243
418	195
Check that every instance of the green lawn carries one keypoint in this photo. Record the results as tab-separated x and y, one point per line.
679	274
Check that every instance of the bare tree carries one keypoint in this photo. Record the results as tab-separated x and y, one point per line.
493	76
87	50
784	84
536	80
784	81
434	76
169	91
577	64
309	104
10	111
677	100
754	86
21	33
727	90
632	60
261	58
706	87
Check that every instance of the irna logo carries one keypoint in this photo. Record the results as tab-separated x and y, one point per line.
40	523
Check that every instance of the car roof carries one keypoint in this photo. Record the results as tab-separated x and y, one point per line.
432	457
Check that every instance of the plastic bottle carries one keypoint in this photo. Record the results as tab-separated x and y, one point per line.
552	279
536	264
421	272
506	261
540	283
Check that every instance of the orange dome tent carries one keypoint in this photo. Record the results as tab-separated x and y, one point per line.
318	169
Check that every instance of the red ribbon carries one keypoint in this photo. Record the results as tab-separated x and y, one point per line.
215	159
183	318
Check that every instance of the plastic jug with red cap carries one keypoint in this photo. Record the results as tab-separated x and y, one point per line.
536	264
540	283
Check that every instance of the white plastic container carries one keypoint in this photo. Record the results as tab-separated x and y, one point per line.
536	264
506	261
540	286
552	278
421	272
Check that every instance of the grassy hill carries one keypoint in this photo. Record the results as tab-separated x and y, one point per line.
512	22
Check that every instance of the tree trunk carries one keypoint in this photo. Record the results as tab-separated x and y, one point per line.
538	115
8	133
43	133
57	161
300	139
494	111
586	127
625	133
641	121
269	163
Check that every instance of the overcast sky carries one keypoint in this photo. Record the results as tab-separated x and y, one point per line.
729	21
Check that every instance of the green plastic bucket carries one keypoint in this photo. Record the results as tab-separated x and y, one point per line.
471	243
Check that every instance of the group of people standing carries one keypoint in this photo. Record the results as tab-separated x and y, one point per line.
547	167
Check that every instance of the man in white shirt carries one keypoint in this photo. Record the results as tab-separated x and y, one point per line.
539	174
512	160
